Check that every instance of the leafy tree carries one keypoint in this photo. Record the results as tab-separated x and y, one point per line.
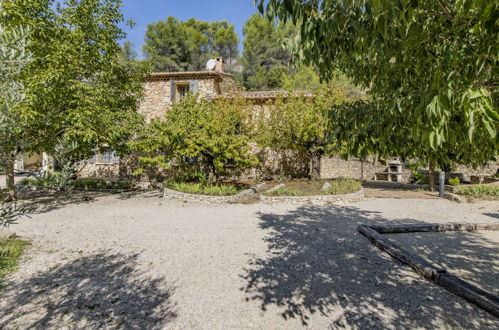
128	53
76	89
264	56
305	78
212	132
174	45
13	58
430	66
302	123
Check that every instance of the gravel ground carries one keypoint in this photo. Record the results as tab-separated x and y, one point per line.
144	262
472	256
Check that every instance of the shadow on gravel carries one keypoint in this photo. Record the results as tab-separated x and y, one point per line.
319	263
99	291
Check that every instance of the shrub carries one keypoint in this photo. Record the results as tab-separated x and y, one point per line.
203	188
285	191
342	186
454	181
478	190
92	183
338	187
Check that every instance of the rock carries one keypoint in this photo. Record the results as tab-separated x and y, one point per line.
326	186
260	187
248	196
279	186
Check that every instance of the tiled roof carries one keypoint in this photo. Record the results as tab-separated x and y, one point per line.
265	95
187	75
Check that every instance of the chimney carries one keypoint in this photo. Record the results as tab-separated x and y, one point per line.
219	66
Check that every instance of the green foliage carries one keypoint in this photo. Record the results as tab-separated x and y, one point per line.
338	187
264	57
301	123
303	79
430	66
478	190
99	184
75	88
203	188
189	177
174	45
52	180
10	212
454	181
10	250
285	191
343	186
215	134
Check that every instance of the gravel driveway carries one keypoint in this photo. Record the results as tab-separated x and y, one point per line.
145	262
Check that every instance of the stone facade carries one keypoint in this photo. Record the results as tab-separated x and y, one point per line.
336	167
158	98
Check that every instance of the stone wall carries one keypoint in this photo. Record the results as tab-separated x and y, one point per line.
157	96
156	99
335	167
102	171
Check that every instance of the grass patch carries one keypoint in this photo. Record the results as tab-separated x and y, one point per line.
314	188
203	188
11	249
478	190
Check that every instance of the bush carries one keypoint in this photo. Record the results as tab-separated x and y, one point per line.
285	191
338	187
342	186
454	181
203	188
91	183
478	190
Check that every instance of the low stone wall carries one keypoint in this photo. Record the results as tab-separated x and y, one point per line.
170	193
353	197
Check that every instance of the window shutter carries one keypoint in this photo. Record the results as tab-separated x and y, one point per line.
193	86
172	91
115	159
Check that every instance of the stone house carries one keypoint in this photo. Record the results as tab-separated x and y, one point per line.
165	88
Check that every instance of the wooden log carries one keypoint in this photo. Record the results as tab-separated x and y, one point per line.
420	265
434	227
469	292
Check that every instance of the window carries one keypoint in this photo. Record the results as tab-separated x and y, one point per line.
104	157
182	90
107	157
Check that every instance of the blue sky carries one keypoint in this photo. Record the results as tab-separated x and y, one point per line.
144	12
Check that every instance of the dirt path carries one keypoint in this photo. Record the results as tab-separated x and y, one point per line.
145	262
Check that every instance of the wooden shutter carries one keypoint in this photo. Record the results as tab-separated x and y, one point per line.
193	86
172	91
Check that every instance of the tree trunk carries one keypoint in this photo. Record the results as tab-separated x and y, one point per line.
431	177
212	175
362	169
315	165
9	172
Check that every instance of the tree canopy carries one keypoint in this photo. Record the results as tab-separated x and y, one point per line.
175	45
75	88
430	67
213	133
264	57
